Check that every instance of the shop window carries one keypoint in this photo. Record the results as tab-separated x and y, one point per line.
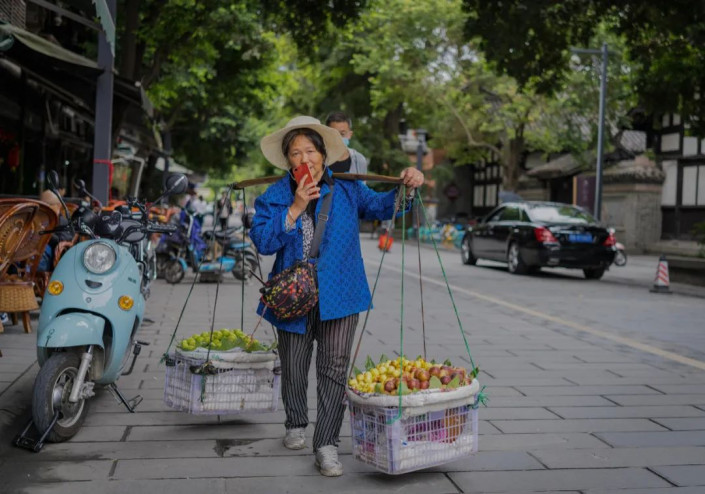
670	185
701	185
690	185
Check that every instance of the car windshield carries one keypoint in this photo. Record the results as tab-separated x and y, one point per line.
561	214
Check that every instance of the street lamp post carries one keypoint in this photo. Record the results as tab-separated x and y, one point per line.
601	128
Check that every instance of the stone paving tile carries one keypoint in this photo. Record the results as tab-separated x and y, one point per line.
665	490
17	473
682	424
147	418
550	441
629	412
683	475
521	381
515	413
411	483
102	433
675	389
657	399
659	383
665	439
549	401
621	457
571	389
575	425
177	486
111	450
491	461
275	466
540	480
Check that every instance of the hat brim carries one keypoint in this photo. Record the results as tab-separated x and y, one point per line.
271	145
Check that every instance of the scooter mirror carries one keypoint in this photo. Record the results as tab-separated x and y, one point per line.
80	184
53	179
175	184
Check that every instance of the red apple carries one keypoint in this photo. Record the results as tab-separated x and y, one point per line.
445	379
414	384
424	385
443	373
435	371
422	375
390	385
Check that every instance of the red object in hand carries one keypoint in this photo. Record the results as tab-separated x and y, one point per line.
300	172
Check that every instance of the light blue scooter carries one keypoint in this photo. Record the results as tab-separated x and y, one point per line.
92	309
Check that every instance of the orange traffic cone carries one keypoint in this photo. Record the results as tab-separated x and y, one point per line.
385	242
662	282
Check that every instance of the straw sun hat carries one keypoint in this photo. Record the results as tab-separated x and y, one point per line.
271	145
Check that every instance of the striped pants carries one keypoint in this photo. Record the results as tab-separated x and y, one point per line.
334	341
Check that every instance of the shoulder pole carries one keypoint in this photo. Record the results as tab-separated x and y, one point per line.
340	176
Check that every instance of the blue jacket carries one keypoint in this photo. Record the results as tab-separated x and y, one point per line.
342	283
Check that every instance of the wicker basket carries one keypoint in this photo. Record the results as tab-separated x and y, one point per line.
229	390
419	437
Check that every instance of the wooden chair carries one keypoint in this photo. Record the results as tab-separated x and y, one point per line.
21	249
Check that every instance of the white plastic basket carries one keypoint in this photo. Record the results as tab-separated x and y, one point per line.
239	388
416	440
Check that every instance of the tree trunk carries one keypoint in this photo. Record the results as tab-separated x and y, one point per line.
511	163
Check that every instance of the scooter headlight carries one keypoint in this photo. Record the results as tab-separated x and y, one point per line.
99	258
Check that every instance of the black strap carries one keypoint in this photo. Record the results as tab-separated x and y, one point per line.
321	223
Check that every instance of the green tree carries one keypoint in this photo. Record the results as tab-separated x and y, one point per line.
665	41
416	57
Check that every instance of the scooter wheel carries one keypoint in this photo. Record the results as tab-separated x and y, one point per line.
52	388
174	272
620	258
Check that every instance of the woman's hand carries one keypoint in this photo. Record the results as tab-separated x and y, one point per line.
305	192
412	178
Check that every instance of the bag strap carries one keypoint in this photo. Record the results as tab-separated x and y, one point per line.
321	223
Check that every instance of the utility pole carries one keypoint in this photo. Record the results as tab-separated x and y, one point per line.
103	128
601	128
420	148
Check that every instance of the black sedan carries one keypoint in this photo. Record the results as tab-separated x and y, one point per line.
531	235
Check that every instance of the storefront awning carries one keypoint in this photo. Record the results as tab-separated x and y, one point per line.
29	45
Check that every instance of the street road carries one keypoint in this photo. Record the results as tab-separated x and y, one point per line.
594	386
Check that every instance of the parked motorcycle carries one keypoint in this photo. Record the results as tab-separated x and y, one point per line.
88	323
190	249
620	257
233	243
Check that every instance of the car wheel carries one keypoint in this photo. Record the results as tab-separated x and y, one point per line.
594	273
466	252
514	262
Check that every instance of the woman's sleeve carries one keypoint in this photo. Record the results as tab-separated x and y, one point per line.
373	205
269	233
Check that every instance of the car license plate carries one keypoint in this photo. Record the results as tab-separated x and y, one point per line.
580	238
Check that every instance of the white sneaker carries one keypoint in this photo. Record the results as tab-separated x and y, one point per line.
295	439
327	461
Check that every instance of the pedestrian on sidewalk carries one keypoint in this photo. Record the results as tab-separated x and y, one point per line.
351	161
284	224
225	209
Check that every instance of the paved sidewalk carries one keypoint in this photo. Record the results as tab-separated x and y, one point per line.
568	412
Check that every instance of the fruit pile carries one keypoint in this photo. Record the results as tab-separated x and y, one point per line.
408	376
222	340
